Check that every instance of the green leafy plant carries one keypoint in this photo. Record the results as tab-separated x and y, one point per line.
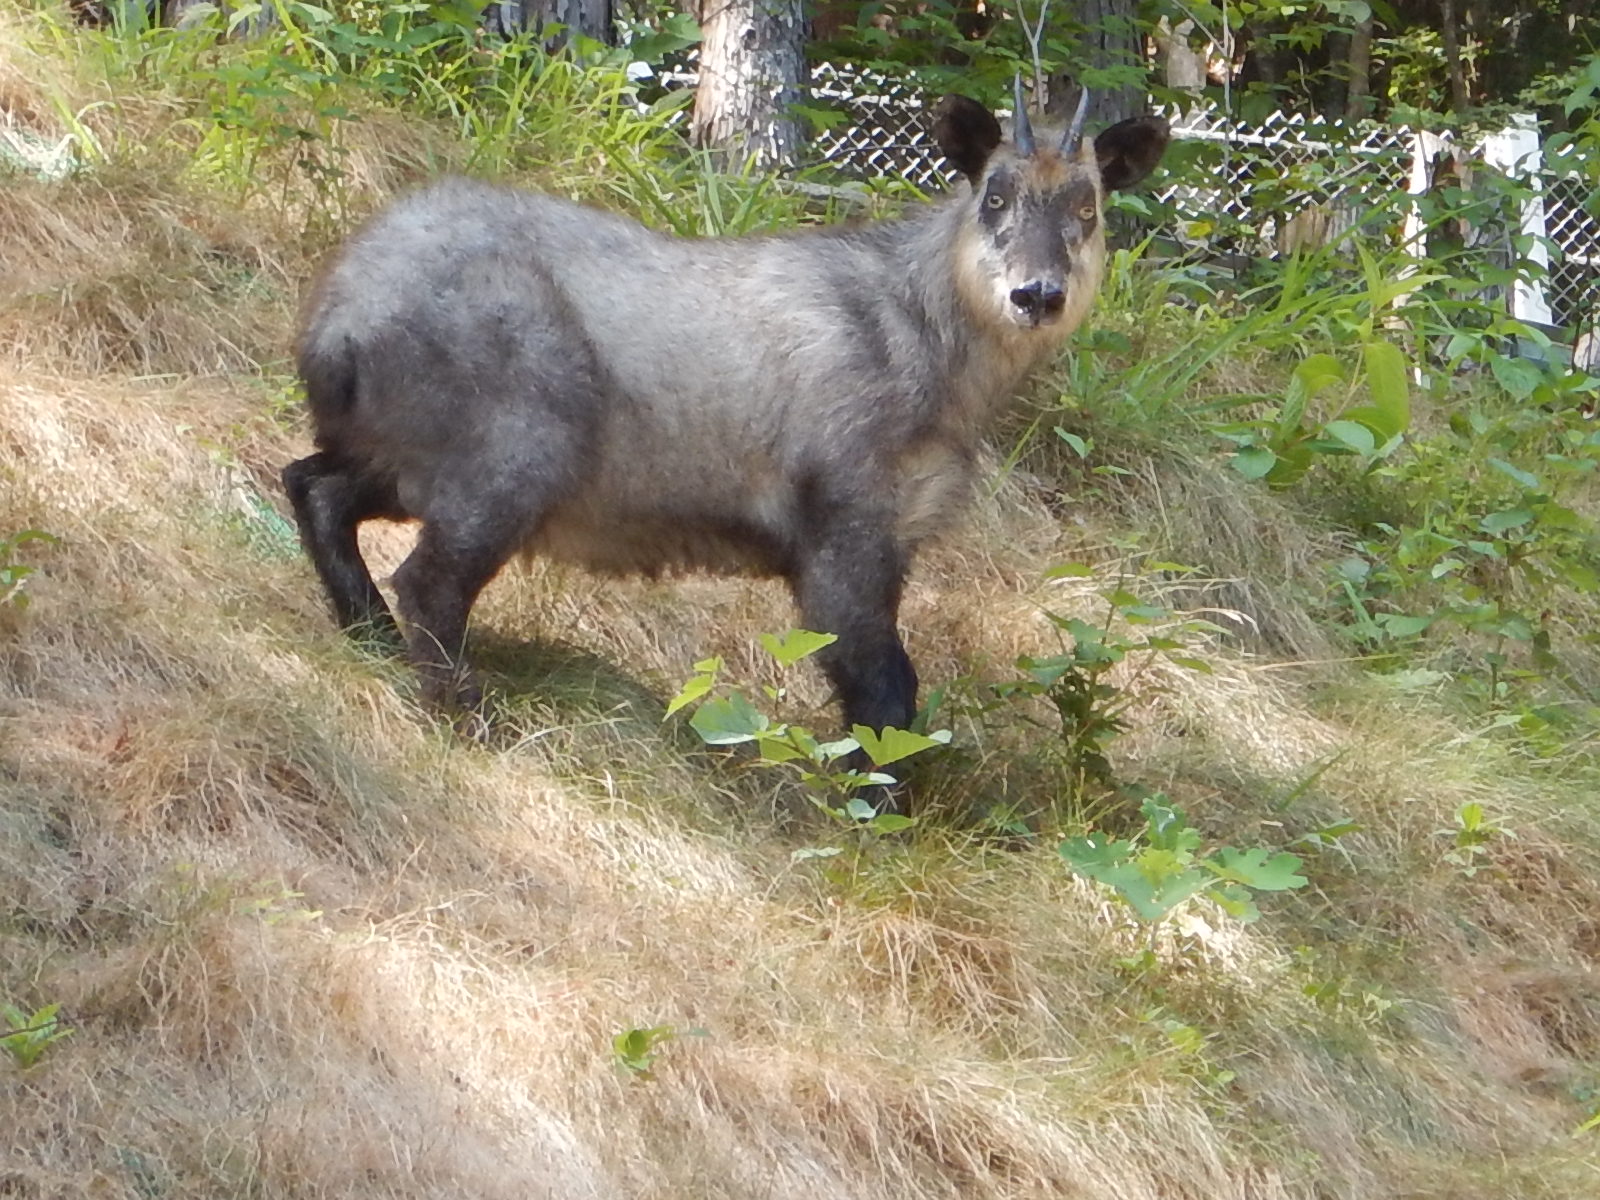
14	573
1076	684
1483	527
1172	1035
1280	447
1161	867
1338	994
637	1050
31	1034
1471	837
825	767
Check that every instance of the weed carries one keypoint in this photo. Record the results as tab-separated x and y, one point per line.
1471	837
637	1050
825	768
14	573
31	1034
1160	867
1076	683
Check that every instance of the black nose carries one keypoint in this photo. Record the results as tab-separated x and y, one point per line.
1039	299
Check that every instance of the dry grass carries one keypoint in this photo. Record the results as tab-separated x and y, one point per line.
315	946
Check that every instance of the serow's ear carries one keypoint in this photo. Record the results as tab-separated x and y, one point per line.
1130	150
967	134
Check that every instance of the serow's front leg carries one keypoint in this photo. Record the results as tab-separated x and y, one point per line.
848	584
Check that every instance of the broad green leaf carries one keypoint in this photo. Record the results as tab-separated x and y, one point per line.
1318	371
1072	570
729	720
891	745
1354	435
1293	462
778	748
1403	625
1559	516
1517	375
1526	479
1579	575
836	749
1390	411
1144	883
891	822
1253	462
791	647
1169	825
1079	446
1511	518
1236	901
1257	868
1153	893
1094	852
692	690
859	809
678	32
1046	670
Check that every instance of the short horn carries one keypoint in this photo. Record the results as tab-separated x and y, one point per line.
1021	129
1074	134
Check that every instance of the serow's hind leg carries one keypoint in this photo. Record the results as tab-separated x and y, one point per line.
330	501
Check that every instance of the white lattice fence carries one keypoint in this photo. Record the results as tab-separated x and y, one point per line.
1263	188
1575	229
886	133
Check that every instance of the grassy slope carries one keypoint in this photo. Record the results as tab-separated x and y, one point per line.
314	945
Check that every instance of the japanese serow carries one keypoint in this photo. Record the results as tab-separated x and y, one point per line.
521	373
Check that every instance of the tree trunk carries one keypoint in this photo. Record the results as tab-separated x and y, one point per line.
595	19
752	67
1110	39
1330	88
1450	34
1358	96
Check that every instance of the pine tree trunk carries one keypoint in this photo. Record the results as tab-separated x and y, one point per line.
752	65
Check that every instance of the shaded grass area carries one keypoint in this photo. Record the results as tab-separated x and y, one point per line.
313	944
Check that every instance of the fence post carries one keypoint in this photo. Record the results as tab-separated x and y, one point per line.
1424	147
1515	151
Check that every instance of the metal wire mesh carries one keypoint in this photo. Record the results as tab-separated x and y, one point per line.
1574	231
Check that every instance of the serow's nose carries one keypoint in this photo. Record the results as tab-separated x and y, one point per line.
1038	300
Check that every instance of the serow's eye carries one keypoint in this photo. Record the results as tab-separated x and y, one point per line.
1086	213
995	200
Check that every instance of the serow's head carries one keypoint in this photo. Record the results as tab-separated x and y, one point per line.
1032	248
